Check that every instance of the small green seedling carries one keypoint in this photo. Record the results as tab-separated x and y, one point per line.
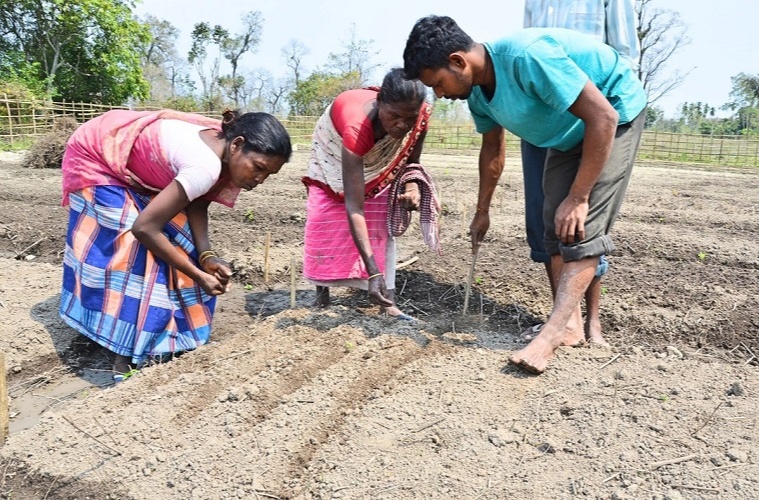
250	216
248	287
701	256
664	398
478	280
604	290
349	346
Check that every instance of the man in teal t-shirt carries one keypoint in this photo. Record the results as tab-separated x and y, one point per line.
558	89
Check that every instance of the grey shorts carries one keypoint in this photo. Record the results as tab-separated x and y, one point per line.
605	198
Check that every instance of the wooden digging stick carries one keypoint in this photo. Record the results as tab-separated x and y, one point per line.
267	244
292	282
4	413
469	281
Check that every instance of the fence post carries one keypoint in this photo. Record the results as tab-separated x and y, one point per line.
701	152
10	118
738	152
656	143
711	145
4	411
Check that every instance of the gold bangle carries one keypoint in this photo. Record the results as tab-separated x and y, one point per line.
374	276
206	255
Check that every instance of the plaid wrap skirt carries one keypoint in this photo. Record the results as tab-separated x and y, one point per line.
116	292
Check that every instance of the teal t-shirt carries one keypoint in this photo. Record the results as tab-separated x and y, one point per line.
539	74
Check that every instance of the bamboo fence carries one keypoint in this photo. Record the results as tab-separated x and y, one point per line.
22	122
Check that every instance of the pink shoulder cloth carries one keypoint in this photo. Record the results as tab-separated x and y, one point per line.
98	152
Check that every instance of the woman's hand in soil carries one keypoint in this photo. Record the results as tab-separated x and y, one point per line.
411	197
570	220
478	228
378	291
219	269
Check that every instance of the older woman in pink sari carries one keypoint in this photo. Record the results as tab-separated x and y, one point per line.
363	178
139	275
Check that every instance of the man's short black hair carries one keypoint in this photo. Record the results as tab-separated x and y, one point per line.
431	41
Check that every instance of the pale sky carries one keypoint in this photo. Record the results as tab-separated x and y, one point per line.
723	33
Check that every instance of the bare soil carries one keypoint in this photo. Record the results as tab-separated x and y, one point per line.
300	403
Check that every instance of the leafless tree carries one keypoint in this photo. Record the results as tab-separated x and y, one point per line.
662	33
293	54
235	46
356	58
253	92
276	96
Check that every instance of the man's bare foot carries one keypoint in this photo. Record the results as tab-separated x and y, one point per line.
535	357
574	334
593	333
572	337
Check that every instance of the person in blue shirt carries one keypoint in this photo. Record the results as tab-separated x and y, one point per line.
558	89
615	23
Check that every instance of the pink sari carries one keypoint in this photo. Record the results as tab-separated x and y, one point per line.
330	254
123	148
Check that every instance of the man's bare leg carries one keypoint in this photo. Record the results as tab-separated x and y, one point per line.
551	278
574	328
322	296
573	331
572	280
592	313
532	331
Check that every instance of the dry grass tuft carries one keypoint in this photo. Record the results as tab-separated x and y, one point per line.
47	152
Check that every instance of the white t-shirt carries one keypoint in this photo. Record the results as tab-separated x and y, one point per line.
196	166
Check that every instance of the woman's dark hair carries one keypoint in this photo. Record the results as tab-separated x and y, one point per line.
397	89
432	40
263	133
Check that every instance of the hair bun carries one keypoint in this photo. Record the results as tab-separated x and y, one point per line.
228	117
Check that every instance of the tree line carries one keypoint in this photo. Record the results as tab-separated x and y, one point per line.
99	51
